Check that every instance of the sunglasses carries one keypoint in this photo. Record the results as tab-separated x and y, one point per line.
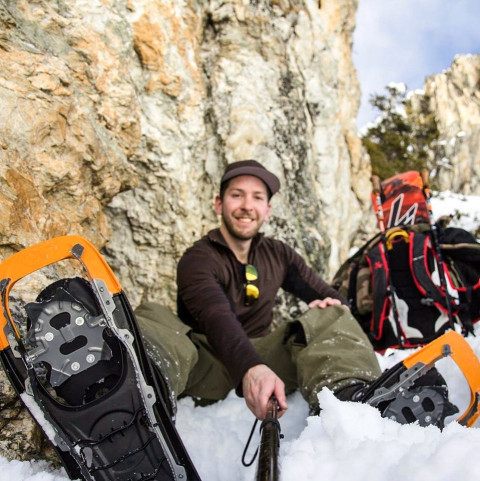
251	290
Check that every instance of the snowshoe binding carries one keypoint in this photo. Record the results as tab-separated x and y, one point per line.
78	364
414	391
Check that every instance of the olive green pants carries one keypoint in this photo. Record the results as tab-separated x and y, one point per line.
323	348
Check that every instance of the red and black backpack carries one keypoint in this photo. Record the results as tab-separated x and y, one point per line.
393	282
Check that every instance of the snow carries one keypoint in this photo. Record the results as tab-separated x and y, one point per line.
465	209
400	87
29	471
349	441
39	415
415	92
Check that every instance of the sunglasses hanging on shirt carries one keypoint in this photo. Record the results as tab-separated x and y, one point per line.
251	290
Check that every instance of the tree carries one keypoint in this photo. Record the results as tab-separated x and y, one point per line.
405	134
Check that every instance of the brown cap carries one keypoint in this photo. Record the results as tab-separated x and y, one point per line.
252	167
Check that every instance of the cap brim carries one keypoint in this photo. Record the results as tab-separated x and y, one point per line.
270	180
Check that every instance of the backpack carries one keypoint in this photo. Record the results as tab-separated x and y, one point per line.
393	283
413	269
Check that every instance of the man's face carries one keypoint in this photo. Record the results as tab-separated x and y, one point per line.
244	207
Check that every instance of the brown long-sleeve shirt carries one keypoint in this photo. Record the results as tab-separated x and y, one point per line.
211	294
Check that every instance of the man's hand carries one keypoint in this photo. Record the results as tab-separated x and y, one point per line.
328	301
259	384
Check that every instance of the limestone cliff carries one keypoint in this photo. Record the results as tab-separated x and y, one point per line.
233	80
454	98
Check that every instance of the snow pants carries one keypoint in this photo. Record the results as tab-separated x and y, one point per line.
323	348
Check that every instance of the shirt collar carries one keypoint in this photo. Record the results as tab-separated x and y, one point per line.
216	236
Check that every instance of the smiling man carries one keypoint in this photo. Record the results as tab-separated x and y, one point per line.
227	284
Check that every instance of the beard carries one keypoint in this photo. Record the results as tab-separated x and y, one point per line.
237	233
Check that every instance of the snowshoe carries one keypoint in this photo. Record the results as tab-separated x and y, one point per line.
414	391
74	354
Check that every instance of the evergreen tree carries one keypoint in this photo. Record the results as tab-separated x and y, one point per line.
404	137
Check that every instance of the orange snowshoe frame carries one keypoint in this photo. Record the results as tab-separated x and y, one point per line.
42	255
454	345
403	375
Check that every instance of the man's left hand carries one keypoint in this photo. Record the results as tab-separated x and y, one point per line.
323	303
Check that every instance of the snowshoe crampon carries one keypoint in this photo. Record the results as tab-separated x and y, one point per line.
75	356
414	391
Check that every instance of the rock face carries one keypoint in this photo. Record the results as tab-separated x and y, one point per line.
454	97
20	437
118	117
235	80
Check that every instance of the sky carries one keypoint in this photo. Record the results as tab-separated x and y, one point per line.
409	40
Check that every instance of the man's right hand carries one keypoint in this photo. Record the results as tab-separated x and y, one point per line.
259	384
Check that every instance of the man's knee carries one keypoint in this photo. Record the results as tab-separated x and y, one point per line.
330	321
152	312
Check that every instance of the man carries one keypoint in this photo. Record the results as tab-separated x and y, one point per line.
227	283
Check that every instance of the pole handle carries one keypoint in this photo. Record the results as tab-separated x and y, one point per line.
425	178
376	184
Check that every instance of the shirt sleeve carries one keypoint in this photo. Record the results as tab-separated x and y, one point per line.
304	283
205	299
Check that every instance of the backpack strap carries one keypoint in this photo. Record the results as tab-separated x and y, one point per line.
421	252
352	290
468	293
380	278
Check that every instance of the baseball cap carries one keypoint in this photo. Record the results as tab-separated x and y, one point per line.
252	167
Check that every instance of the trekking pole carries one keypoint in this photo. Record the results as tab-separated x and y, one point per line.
381	225
267	469
442	274
267	451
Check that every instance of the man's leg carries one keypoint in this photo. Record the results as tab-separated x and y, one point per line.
188	363
330	350
210	380
184	358
168	345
